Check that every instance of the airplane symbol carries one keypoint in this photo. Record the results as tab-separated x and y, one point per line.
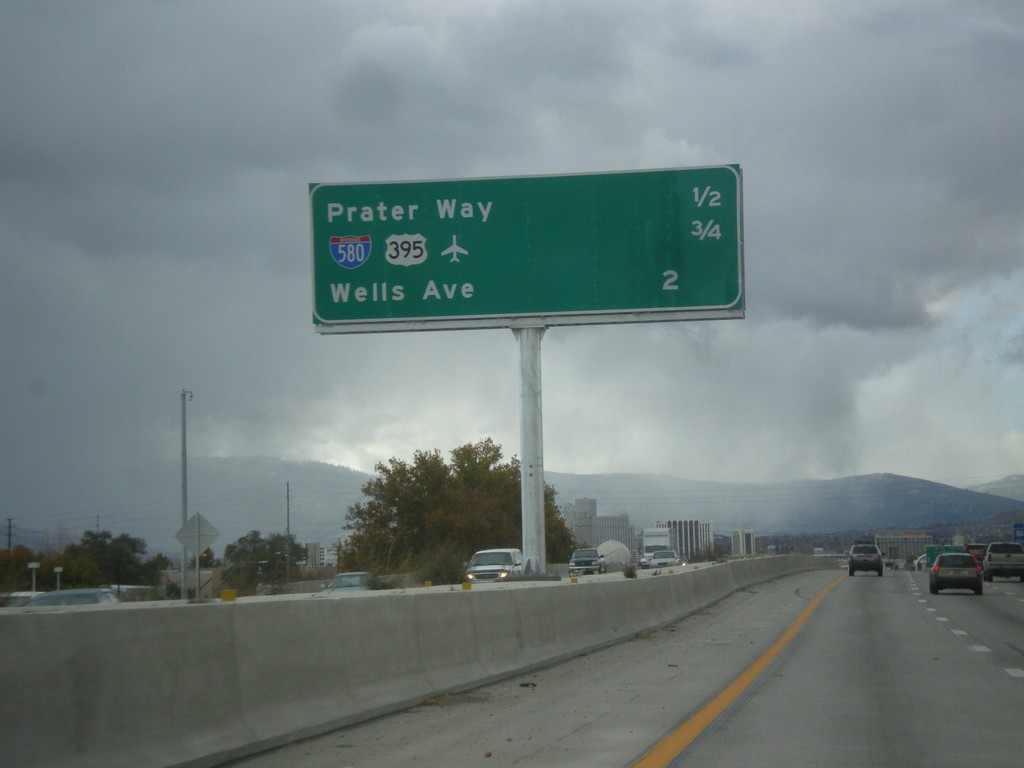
454	250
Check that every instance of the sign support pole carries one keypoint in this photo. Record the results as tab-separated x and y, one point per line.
531	427
198	552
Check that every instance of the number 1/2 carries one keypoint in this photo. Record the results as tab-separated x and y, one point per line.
707	195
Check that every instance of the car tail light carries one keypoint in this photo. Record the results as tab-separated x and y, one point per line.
936	566
977	568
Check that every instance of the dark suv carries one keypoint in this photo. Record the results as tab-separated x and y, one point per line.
586	561
865	557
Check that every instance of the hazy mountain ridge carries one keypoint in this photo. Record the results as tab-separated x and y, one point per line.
860	502
1010	487
238	495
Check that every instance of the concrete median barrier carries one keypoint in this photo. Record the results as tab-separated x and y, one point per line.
169	684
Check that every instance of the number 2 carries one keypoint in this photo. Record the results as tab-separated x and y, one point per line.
671	278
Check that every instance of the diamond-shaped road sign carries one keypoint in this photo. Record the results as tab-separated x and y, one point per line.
197	534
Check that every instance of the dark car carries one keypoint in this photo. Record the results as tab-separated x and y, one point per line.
97	596
865	557
585	561
955	570
977	550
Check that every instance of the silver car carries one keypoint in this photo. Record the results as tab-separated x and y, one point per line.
350	580
664	558
98	596
955	570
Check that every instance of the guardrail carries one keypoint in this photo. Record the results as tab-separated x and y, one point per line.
176	684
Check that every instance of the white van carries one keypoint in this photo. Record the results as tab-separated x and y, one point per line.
495	565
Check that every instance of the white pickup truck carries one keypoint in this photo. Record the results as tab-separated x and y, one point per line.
1003	558
495	565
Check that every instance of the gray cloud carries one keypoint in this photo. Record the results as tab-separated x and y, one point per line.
154	163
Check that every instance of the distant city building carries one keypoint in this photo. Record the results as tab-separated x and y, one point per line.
693	540
743	542
321	555
591	530
902	545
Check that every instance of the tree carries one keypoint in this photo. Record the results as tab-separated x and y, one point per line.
558	539
99	558
208	559
80	570
118	560
161	562
255	560
14	572
428	516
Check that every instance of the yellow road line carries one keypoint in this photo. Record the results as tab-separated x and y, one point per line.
665	751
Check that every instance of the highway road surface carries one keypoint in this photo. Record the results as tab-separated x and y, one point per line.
817	669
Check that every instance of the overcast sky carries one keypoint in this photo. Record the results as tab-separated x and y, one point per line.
154	223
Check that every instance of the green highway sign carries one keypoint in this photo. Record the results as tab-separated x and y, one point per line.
637	246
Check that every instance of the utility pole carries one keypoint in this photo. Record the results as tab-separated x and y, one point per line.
184	500
288	532
9	532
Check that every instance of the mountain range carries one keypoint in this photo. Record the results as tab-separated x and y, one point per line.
238	495
857	503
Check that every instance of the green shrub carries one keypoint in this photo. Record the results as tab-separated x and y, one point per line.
443	564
